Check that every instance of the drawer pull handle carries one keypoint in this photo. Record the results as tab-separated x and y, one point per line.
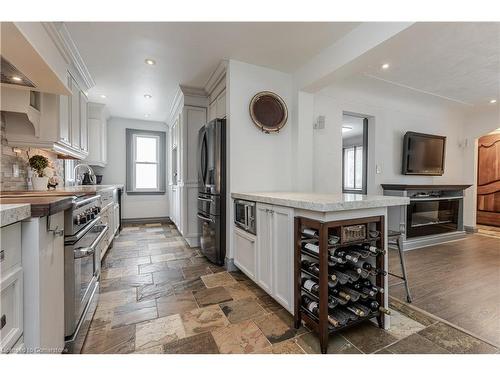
3	321
2	255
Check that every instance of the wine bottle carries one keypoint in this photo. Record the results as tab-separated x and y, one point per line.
360	252
375	306
364	289
335	259
353	294
339	300
350	316
356	310
310	285
340	316
352	274
339	253
341	277
366	310
311	305
340	293
309	246
332	283
333	240
374	250
310	233
368	284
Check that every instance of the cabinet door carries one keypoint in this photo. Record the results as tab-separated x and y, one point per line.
212	110
245	252
116	220
64	119
282	238
11	308
264	247
83	122
104	140
221	105
75	114
94	140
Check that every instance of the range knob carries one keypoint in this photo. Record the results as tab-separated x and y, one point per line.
76	220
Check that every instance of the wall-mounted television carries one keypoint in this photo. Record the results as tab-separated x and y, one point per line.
423	154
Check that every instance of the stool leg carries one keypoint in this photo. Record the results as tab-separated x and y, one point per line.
403	269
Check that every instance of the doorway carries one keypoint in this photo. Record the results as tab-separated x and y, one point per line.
354	153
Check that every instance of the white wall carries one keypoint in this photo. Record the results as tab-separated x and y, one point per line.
256	161
389	119
133	206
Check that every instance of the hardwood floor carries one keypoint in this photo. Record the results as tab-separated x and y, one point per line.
457	281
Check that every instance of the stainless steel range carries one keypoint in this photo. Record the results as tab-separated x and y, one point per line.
82	267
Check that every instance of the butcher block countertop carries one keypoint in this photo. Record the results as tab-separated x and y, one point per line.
41	206
49	202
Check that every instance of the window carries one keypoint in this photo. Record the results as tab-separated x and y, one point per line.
145	162
353	168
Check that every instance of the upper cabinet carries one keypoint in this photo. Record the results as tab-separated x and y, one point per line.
49	110
97	134
217	107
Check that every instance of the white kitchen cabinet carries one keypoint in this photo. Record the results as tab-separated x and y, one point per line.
282	262
212	110
274	252
264	247
221	105
11	287
97	135
116	218
75	114
83	123
245	251
43	269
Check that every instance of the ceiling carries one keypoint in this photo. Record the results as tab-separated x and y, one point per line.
353	126
186	53
456	61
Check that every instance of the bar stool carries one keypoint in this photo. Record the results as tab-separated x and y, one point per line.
394	238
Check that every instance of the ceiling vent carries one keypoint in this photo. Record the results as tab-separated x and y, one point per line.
11	75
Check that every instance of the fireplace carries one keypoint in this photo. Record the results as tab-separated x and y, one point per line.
426	217
434	215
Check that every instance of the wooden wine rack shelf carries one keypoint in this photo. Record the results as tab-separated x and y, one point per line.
320	324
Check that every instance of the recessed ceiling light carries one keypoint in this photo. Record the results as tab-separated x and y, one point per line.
147	115
493	101
346	128
385	66
150	62
17	79
148	96
103	96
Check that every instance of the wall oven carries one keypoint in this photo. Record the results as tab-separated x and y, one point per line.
82	260
244	215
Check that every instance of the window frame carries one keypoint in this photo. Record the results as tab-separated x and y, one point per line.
354	148
131	153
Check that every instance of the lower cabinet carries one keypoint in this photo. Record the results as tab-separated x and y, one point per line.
267	258
245	252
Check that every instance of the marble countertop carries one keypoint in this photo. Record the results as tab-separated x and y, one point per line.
62	191
11	213
322	202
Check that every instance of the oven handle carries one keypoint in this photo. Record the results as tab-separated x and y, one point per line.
83	252
205	218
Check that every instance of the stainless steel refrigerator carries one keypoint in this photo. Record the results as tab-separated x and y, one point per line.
212	190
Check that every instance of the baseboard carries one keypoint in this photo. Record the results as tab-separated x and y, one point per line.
425	241
470	229
147	220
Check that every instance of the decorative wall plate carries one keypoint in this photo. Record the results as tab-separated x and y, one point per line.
268	111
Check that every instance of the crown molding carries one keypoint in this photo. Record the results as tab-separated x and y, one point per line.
67	47
217	75
193	91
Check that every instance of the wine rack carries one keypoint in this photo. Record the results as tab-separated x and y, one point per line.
331	237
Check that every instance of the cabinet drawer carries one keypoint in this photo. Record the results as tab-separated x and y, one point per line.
245	252
11	309
10	254
106	197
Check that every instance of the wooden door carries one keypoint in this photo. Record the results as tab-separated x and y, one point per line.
488	180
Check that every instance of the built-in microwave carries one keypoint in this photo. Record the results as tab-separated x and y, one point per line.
244	215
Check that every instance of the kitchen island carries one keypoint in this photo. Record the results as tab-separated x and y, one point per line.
267	256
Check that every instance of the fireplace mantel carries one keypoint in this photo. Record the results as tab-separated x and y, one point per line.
423	187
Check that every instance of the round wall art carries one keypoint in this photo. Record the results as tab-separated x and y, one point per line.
268	111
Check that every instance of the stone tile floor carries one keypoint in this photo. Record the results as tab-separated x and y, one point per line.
160	296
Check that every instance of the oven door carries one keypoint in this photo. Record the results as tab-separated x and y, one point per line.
429	217
81	266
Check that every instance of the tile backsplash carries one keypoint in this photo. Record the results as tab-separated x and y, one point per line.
9	159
